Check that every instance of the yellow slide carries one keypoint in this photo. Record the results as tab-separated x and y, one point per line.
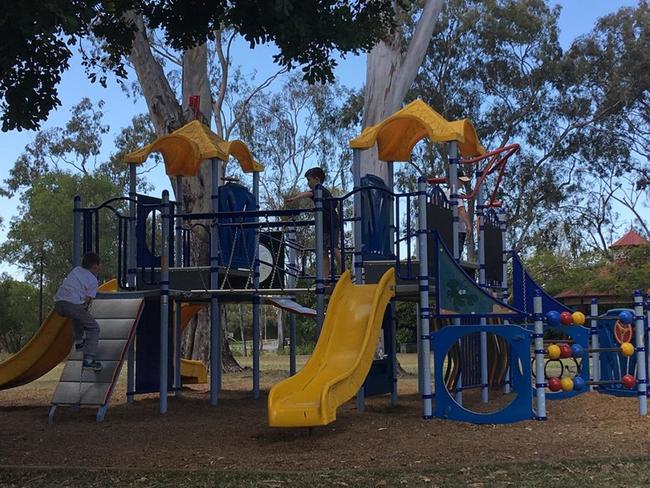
51	344
341	360
45	350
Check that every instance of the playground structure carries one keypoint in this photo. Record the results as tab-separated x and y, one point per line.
391	258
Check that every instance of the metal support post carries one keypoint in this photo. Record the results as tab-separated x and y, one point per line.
320	290
178	337
538	335
76	232
595	342
256	285
639	333
132	254
215	319
291	283
425	338
164	301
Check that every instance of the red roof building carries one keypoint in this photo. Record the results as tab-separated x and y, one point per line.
630	239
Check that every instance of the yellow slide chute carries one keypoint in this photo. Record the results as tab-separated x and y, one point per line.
51	344
341	359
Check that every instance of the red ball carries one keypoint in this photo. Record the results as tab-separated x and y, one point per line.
566	318
628	381
554	384
565	351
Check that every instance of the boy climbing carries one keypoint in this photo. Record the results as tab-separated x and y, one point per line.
331	222
73	299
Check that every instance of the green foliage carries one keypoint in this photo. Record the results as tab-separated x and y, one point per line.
36	39
406	323
18	313
44	226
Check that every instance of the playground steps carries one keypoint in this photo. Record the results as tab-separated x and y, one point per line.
117	318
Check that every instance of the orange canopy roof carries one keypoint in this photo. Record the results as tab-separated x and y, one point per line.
398	134
631	238
185	148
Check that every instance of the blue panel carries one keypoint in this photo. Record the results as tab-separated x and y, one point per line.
147	350
612	364
146	206
376	207
237	244
524	287
519	342
382	371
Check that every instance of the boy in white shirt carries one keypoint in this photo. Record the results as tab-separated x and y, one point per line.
73	300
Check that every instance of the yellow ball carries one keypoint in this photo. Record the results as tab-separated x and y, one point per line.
578	318
627	349
553	351
566	383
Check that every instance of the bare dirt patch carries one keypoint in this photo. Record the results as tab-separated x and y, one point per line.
235	436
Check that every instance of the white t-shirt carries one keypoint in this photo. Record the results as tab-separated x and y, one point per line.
78	285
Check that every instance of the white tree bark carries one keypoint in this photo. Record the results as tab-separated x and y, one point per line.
390	72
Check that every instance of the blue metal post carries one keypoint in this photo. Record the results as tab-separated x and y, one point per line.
639	333
291	283
320	291
178	337
647	337
453	201
480	206
504	281
425	338
215	326
595	342
356	228
76	232
256	297
132	243
164	301
538	335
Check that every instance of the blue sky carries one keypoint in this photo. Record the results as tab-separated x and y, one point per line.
578	17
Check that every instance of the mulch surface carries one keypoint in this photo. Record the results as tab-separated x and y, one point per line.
235	436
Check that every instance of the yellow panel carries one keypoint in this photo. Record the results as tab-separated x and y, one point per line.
193	372
49	346
341	359
184	149
397	135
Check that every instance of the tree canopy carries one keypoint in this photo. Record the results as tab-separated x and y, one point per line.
36	39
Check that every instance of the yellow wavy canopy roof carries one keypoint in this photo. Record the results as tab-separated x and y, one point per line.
185	148
398	134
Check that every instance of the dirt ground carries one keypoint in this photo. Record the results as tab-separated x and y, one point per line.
235	436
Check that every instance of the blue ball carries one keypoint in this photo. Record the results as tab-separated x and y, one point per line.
626	317
553	318
579	383
577	350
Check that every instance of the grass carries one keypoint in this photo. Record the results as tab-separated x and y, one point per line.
575	473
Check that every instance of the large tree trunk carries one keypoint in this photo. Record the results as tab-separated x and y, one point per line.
390	72
168	115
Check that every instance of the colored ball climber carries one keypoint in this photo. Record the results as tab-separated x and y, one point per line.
626	317
628	381
579	383
578	318
553	351
566	383
554	384
565	351
577	350
626	349
553	318
566	318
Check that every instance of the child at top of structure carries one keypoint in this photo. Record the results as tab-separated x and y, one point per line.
73	299
331	222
